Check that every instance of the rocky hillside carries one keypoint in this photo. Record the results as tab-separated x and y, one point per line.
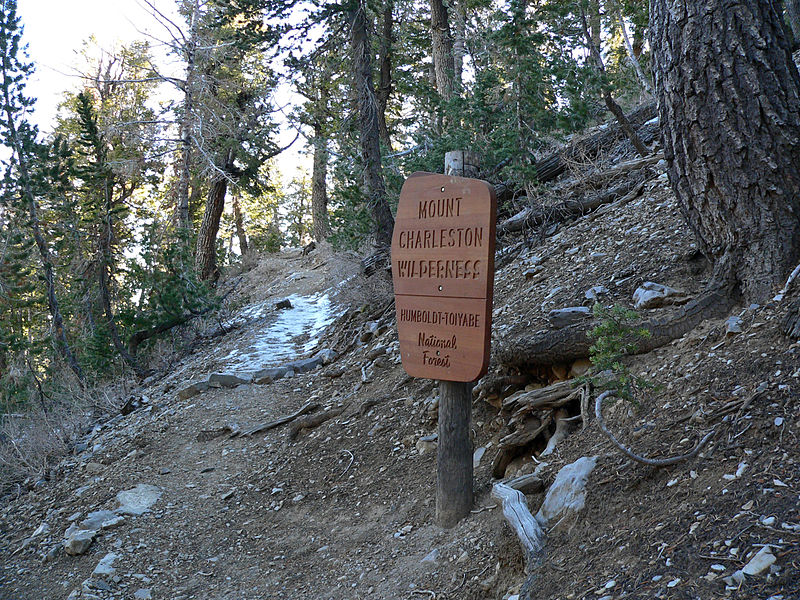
291	457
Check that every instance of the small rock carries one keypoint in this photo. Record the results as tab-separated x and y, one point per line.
733	325
674	582
768	521
477	456
226	380
305	365
269	375
193	390
142	594
717	567
95	519
432	556
376	352
79	541
580	367
562	317
105	567
567	494
427	443
283	304
655	295
42	529
326	355
594	293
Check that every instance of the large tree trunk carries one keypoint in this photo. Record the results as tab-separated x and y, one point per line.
205	259
374	187
729	101
385	63
442	46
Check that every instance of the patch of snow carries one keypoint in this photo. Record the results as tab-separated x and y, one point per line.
292	333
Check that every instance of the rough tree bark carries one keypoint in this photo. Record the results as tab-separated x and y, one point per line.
729	101
442	49
459	43
206	251
374	186
320	223
384	90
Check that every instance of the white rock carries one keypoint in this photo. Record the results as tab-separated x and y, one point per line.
567	494
653	295
717	567
477	456
42	529
142	594
432	556
138	500
762	561
733	325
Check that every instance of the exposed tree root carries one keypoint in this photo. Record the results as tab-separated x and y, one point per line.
312	421
653	462
311	406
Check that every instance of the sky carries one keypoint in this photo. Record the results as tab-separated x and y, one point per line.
55	31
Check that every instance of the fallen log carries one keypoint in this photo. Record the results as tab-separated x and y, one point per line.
534	216
573	342
555	164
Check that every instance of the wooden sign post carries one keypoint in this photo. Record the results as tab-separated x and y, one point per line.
443	273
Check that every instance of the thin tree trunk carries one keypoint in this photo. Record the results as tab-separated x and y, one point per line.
442	49
319	187
644	80
374	187
612	105
384	90
729	101
238	220
459	44
58	332
182	219
206	251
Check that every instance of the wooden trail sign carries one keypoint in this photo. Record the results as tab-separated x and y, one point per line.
443	273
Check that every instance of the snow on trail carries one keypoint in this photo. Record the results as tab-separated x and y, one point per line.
279	336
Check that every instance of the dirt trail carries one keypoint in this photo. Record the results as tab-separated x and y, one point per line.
346	511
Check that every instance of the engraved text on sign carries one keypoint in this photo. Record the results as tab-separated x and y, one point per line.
443	272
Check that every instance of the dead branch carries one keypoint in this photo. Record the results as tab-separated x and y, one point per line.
309	407
515	510
653	462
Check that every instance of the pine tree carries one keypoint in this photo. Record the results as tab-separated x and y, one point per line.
26	185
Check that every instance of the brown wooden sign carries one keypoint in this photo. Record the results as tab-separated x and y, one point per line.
443	273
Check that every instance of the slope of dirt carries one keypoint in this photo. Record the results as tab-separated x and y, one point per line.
345	511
